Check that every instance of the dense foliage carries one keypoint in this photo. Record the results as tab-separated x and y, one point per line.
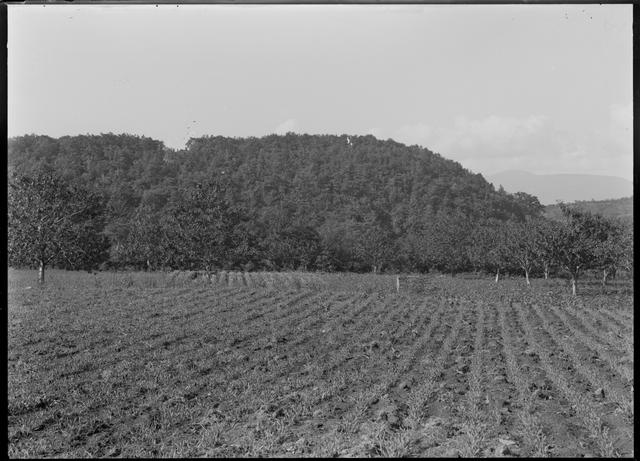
313	202
52	222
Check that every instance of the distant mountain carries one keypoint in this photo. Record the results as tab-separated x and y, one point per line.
618	208
549	188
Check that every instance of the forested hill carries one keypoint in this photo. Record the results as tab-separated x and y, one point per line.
308	178
323	182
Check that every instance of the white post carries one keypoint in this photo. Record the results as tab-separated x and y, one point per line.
398	284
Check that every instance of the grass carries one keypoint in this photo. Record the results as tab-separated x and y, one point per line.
176	365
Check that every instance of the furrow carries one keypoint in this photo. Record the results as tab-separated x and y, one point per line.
533	433
603	349
615	390
583	406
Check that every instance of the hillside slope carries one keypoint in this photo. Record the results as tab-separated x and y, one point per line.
551	188
349	203
306	179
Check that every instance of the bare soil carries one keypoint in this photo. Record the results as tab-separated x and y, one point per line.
132	366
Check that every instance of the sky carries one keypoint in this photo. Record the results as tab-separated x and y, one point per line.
540	88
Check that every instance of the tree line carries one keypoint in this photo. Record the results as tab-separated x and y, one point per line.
280	202
55	223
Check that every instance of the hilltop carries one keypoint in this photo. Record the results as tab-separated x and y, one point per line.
355	200
310	179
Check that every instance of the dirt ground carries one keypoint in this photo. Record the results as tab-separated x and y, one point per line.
461	368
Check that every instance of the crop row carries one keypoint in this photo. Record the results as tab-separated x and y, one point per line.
556	366
232	368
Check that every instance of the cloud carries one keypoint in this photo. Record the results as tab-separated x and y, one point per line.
286	126
420	133
374	132
485	145
622	115
621	126
493	136
488	136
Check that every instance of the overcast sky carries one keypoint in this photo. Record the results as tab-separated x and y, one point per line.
541	88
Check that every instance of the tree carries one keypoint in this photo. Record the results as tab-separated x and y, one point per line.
547	237
410	252
53	222
578	239
446	239
527	204
145	242
247	251
374	240
198	230
294	247
487	248
610	245
605	239
521	244
337	246
374	245
626	247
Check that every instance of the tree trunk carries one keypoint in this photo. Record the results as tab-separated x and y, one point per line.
573	286
526	274
41	272
497	275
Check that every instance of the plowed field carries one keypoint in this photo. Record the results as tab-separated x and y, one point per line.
463	368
